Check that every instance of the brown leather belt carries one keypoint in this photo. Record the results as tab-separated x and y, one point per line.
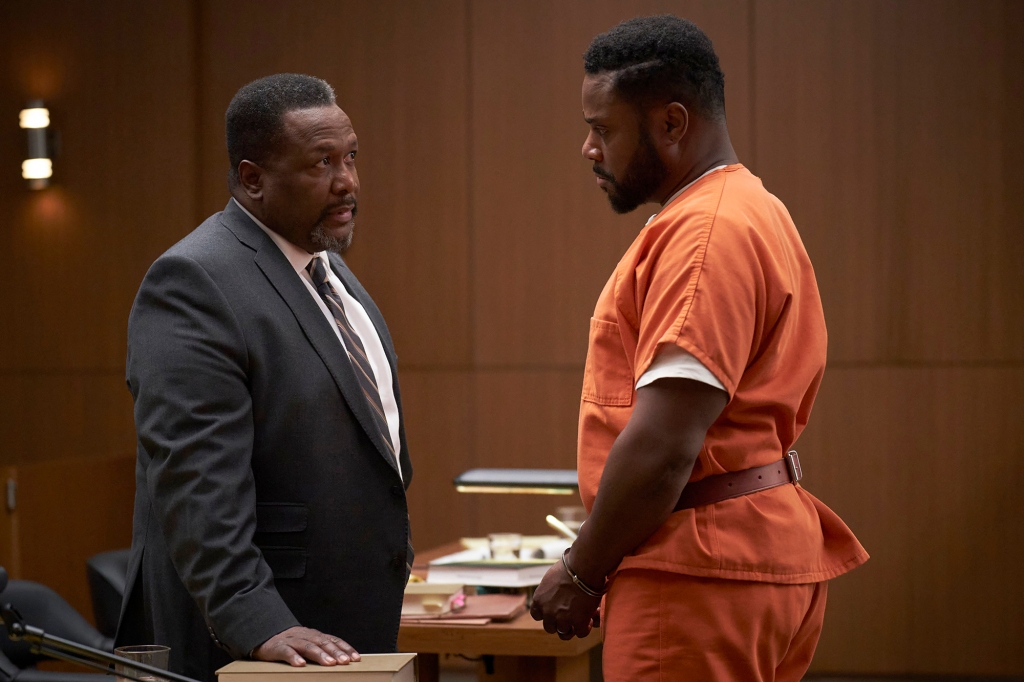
738	483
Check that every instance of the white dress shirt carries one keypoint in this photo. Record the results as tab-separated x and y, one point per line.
357	317
673	361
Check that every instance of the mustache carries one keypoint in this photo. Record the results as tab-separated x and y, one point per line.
602	173
346	204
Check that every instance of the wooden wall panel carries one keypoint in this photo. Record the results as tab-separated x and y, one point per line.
457	420
525	418
538	219
64	415
67	511
118	80
892	131
399	70
120	131
438	406
926	465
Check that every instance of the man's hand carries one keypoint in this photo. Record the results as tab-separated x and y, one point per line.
647	467
297	645
563	607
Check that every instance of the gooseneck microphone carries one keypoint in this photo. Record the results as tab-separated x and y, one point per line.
73	652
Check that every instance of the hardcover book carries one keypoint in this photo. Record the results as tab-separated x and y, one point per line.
372	668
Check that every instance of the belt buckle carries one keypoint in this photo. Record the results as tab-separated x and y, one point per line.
793	464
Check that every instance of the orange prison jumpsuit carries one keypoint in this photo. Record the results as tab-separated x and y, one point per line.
734	590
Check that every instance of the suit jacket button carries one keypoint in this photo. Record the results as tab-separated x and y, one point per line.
398	562
396	491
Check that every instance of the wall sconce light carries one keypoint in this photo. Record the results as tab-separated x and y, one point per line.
37	168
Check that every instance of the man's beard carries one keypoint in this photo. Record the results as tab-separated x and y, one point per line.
325	242
642	177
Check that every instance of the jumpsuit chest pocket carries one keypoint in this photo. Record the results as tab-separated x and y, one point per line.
607	377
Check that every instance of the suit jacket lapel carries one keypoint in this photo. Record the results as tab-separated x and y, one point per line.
310	318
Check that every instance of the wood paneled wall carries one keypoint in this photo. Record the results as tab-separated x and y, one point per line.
119	80
893	132
891	129
64	514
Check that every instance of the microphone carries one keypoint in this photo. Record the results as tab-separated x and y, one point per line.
3	578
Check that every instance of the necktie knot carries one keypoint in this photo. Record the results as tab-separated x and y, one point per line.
317	271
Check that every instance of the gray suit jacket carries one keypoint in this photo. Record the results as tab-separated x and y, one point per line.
265	494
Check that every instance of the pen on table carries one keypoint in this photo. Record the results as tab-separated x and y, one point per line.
560	527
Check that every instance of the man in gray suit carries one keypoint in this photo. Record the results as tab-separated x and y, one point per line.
270	512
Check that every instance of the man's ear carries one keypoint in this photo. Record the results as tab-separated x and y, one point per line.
676	121
250	179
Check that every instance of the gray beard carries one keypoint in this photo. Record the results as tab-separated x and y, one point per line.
324	242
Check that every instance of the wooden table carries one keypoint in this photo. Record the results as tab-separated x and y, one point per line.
517	650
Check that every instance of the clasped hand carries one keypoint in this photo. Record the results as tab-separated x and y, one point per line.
296	645
564	608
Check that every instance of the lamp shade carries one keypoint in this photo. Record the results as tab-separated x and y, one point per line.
521	481
35	117
36	169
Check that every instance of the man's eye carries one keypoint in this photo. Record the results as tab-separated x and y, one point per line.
352	156
326	161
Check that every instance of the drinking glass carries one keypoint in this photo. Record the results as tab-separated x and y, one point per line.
155	655
573	517
505	546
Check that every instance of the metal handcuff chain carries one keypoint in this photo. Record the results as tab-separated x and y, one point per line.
584	588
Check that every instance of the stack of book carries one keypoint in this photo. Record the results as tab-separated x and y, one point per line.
473	567
431	600
478	609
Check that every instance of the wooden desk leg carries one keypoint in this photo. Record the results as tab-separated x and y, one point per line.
428	668
573	669
537	669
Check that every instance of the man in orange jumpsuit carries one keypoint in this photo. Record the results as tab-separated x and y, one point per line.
706	350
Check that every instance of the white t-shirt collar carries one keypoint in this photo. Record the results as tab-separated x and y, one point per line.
686	187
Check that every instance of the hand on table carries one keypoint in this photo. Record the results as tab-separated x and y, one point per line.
563	607
297	645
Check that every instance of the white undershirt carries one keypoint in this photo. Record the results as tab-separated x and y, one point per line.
670	361
357	317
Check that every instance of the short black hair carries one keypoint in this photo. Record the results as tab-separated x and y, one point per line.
660	59
253	119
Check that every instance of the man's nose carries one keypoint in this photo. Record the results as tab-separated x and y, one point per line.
345	181
590	150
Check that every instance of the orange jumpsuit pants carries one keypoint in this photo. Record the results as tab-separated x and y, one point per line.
668	626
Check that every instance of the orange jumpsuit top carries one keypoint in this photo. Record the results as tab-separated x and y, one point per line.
722	273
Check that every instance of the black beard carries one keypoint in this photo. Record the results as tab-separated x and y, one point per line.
642	177
325	242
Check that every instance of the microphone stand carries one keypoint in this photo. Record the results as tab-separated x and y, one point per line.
73	652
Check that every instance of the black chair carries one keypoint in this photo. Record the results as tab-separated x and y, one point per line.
108	575
44	608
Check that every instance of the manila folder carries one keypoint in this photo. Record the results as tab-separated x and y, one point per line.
372	668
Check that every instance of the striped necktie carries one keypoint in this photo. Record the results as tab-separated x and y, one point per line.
360	363
357	355
354	346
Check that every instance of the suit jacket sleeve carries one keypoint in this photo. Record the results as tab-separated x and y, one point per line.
187	370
